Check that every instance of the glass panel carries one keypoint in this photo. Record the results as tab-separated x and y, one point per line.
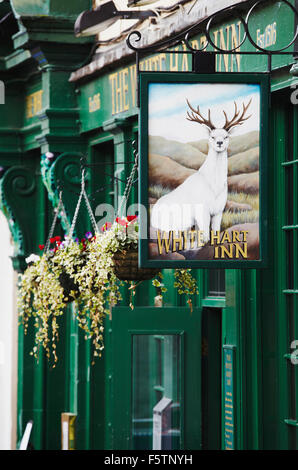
216	282
156	392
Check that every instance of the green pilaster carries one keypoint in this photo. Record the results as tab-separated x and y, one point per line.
122	135
19	191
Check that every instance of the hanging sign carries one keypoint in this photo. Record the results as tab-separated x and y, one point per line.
203	144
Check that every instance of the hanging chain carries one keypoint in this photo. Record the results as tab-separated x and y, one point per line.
90	212
60	203
63	212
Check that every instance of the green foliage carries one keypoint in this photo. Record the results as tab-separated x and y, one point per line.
81	272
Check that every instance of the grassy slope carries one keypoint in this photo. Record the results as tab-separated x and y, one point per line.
173	161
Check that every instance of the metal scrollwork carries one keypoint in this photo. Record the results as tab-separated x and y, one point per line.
63	174
204	27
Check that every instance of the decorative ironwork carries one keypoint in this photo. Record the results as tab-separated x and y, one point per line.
204	27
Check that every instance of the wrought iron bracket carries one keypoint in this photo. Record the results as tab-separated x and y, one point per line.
203	60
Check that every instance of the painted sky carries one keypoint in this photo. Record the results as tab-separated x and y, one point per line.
168	108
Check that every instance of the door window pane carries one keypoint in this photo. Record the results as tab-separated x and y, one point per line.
216	283
156	397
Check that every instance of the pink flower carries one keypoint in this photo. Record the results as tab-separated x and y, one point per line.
121	222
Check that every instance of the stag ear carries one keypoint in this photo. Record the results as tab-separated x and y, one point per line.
233	130
207	131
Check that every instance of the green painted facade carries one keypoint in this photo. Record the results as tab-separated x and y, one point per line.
252	313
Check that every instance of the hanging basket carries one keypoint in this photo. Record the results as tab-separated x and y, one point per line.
126	267
69	286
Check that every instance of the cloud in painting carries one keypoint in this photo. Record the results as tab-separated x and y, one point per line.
168	108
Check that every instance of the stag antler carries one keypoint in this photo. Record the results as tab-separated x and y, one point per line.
196	116
237	120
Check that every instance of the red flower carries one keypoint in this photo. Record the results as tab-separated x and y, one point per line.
57	239
41	247
52	240
121	222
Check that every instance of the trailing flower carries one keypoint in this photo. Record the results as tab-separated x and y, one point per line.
83	271
186	285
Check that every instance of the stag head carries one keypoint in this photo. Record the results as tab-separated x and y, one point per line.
219	137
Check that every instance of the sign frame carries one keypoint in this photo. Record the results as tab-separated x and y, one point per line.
147	78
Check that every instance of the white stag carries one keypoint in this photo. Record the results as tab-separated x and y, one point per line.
200	200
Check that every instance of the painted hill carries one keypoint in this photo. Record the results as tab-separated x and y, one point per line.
172	162
244	162
185	154
243	151
166	172
246	182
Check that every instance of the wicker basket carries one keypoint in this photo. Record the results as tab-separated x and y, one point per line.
68	285
126	267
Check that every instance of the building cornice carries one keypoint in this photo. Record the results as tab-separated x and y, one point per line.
166	27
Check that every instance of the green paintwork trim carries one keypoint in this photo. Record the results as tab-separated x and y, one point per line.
281	147
42	8
73	361
16	58
216	302
146	78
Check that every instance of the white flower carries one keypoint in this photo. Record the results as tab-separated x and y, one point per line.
132	232
121	236
32	258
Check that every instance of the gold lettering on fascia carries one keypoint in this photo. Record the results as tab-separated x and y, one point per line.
94	103
123	83
267	37
34	104
228	38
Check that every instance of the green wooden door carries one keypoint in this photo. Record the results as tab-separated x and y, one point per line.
156	361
